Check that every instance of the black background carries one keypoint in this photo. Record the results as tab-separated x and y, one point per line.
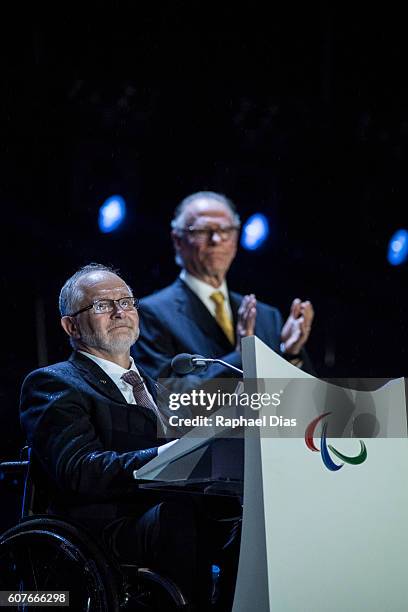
297	112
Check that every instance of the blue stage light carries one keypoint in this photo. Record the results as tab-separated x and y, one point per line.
398	247
111	214
255	232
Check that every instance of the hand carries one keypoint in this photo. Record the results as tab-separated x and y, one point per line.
246	319
297	328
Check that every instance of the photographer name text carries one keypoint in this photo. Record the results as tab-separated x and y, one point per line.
222	421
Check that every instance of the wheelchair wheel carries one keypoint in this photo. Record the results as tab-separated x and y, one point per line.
148	591
45	554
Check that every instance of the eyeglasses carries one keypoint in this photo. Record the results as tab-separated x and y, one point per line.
204	234
104	306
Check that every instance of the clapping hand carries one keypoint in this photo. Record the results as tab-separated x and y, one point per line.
297	328
246	319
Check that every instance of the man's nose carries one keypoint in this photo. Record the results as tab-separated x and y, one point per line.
117	310
215	237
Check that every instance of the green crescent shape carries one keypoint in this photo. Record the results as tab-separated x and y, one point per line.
362	456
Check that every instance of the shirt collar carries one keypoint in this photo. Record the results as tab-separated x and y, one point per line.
113	370
204	290
200	288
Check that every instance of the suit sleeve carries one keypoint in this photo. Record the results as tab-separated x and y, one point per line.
57	421
157	346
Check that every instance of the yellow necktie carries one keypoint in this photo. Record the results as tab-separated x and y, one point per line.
221	315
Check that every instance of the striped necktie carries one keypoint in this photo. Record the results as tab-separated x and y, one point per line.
221	315
141	395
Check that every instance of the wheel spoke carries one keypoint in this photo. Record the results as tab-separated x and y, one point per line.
32	569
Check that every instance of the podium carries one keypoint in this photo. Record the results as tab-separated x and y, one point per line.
313	539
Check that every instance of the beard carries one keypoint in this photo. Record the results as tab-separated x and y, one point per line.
111	343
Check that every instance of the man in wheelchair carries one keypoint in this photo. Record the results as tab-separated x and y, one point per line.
94	419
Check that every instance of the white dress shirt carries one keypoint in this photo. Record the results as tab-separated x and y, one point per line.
204	290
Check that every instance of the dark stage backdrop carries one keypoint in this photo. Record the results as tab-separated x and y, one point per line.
301	114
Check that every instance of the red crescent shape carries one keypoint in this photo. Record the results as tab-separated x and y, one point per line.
310	429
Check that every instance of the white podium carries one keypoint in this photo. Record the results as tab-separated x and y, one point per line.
320	541
315	540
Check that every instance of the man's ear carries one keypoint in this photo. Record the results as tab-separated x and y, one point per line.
176	238
70	327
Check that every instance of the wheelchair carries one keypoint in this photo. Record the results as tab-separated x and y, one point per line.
46	553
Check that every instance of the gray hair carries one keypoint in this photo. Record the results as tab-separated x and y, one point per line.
179	213
71	294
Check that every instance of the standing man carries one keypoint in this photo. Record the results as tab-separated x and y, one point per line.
198	313
94	419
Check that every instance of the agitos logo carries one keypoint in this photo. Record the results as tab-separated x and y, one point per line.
324	448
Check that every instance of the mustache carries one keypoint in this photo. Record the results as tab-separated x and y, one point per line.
118	326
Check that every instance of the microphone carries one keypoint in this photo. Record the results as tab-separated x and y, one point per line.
184	363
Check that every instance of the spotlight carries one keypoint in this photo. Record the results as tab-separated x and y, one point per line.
111	214
255	232
398	247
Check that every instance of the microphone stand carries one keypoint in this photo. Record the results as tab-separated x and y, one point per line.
203	362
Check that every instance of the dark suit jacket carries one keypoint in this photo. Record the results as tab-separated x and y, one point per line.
174	320
86	440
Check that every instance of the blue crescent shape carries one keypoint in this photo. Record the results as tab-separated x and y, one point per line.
327	460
